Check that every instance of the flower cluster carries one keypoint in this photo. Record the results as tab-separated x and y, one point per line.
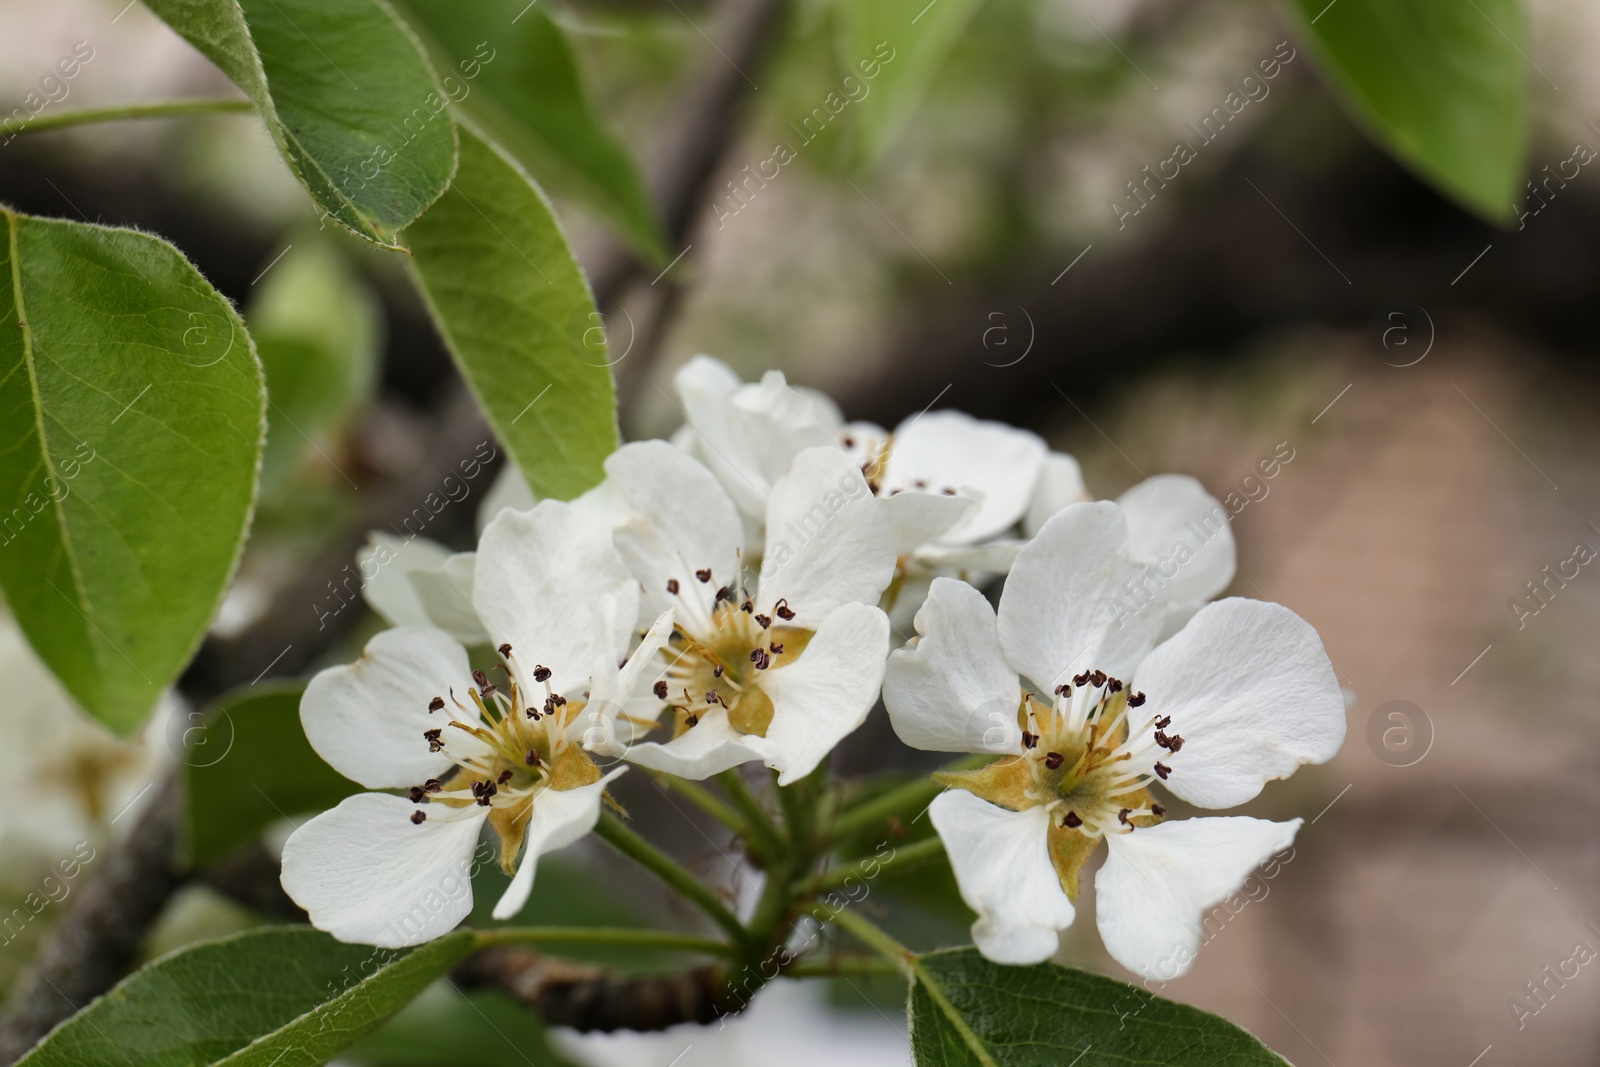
729	597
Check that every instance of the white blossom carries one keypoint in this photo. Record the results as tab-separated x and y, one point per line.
1100	714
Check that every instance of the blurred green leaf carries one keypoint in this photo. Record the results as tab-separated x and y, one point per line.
1047	1016
345	92
447	1028
904	42
1438	83
247	764
514	73
517	315
316	330
277	997
131	425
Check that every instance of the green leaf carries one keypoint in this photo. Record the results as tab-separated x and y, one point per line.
447	1028
131	425
514	73
276	997
1438	83
316	329
346	93
247	764
891	49
518	316
967	1011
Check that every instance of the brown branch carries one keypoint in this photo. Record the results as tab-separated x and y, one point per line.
99	937
589	998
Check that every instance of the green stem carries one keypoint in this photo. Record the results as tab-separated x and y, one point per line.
702	798
916	794
909	964
664	867
848	963
903	858
760	823
156	109
605	935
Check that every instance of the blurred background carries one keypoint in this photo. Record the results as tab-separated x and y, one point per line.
1293	292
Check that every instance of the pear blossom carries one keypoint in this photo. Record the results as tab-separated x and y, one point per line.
951	486
511	750
1100	714
1180	532
778	666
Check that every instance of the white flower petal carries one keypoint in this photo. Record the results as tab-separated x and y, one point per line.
951	690
1252	693
1156	884
682	521
821	697
749	434
949	449
550	582
1073	601
366	719
390	561
560	817
509	490
1060	484
445	593
709	747
920	518
828	543
367	874
1001	861
618	693
1184	533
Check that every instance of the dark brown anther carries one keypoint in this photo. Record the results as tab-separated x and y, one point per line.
920	483
1162	770
541	673
1071	821
436	704
704	575
531	759
713	697
481	678
947	491
1136	700
716	672
1163	722
419	817
489	690
1157	810
416	794
1113	685
1122	816
776	647
1098	678
690	719
747	607
1175	743
848	441
764	621
660	690
759	657
672	586
432	785
783	611
533	714
1063	690
552	702
435	742
723	593
1163	740
1029	740
1053	760
505	649
1081	679
505	776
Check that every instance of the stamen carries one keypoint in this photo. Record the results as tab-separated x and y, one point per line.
435	741
660	690
419	817
505	649
704	575
1162	770
1053	760
541	673
1072	821
782	609
672	586
436	704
